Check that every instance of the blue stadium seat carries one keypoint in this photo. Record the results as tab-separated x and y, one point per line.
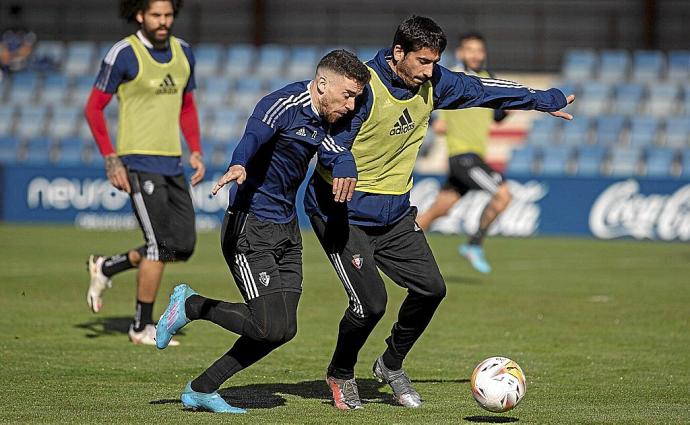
278	83
71	151
55	87
522	160
614	65
589	160
647	65
6	119
594	99
663	99
82	88
80	58
576	132
207	56
249	91
9	149
271	59
624	160
609	128
302	63
32	120
555	160
659	162
686	99
64	121
679	65
53	51
226	126
579	64
24	87
545	131
38	150
239	61
677	131
216	91
643	131
628	99
685	163
366	53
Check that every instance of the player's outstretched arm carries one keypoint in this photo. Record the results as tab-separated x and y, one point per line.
236	173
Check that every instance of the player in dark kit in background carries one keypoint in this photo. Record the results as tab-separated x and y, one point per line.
152	74
377	229
260	237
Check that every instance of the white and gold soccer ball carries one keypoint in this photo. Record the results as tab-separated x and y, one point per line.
498	384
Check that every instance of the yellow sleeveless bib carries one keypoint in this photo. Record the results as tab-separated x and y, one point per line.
150	104
468	129
386	146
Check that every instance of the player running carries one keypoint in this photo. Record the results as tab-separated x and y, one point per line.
466	132
260	238
152	74
377	229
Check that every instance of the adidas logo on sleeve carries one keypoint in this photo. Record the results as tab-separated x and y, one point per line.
403	125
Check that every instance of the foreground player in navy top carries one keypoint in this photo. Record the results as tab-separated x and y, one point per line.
260	238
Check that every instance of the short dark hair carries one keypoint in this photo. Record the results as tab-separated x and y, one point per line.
418	32
472	35
130	8
347	64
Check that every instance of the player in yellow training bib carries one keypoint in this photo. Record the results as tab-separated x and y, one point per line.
376	230
152	75
466	132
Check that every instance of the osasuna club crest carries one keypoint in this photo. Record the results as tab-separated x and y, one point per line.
264	278
357	261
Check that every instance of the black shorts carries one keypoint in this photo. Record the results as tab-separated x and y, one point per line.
399	250
165	213
263	257
468	171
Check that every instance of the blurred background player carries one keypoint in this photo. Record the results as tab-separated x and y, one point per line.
17	42
377	228
260	238
467	132
152	74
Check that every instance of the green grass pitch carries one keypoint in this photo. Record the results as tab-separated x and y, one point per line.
600	329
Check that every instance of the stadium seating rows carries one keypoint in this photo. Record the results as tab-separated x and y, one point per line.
632	117
41	117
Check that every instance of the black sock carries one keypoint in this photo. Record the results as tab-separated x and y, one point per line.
116	264
478	237
142	316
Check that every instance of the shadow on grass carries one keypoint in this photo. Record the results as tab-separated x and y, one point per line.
458	279
268	396
106	326
491	419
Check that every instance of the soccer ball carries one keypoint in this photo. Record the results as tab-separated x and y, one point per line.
498	384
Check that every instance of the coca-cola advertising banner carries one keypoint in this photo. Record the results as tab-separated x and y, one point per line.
605	208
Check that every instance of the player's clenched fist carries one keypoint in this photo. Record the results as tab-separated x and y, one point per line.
236	173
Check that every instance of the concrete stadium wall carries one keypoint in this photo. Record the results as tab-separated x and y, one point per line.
523	34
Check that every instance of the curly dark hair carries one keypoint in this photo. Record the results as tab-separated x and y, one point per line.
345	63
418	32
130	8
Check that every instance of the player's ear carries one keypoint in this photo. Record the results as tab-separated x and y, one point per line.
140	17
321	84
398	53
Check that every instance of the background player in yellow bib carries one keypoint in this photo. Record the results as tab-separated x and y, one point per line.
152	74
467	132
376	230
